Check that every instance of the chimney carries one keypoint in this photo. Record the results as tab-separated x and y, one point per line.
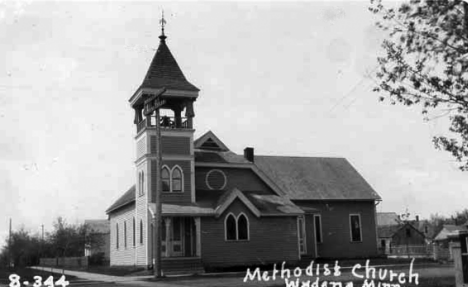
417	218
249	154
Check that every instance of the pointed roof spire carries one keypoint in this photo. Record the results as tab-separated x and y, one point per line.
164	72
163	23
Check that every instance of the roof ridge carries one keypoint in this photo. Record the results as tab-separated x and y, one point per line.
296	156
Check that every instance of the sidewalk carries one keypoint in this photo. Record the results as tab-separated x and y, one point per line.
94	276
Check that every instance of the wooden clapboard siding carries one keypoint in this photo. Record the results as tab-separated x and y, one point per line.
141	147
171	145
141	213
122	255
272	239
240	178
336	229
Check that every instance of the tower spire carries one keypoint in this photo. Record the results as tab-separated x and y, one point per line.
163	23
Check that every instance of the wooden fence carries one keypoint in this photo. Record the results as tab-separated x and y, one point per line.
64	262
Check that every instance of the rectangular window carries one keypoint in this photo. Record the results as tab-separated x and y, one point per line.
318	228
355	227
301	234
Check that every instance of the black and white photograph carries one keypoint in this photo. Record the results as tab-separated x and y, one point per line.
234	143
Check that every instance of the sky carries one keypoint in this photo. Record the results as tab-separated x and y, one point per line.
284	78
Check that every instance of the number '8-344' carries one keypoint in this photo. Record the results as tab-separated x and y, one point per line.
15	281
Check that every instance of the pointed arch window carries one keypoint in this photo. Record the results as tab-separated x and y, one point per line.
236	228
176	179
125	234
141	183
231	227
165	177
172	179
141	231
117	236
242	227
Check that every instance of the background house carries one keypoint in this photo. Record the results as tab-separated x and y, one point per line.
98	232
401	238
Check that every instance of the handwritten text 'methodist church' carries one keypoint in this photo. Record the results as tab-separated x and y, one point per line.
323	275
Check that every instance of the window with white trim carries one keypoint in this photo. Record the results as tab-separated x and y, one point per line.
176	179
165	177
141	183
242	227
230	225
125	234
172	179
318	228
134	232
236	228
117	236
141	231
355	227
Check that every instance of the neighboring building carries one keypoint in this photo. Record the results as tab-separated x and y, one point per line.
100	231
445	238
223	209
388	219
396	236
448	230
408	235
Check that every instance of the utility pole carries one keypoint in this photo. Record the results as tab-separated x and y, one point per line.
158	215
153	104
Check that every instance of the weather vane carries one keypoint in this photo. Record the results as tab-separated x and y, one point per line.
162	22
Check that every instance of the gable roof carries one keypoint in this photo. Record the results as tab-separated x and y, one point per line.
164	72
98	225
314	178
126	198
387	218
387	231
209	141
229	197
447	230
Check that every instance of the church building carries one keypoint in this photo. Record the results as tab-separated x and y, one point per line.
223	209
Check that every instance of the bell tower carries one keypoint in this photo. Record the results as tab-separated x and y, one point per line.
163	106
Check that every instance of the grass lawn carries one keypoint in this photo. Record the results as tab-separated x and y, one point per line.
27	274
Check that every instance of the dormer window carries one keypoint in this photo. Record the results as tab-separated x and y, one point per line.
172	179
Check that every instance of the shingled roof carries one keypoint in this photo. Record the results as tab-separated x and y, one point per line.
125	199
315	178
164	72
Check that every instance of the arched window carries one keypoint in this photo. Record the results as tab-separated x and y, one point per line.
176	179
139	183
125	234
230	227
134	232
141	231
166	187
117	235
242	227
